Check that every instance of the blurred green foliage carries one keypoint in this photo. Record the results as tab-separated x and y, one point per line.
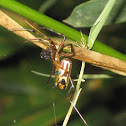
27	100
86	17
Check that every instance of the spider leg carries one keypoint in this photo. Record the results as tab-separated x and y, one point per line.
62	43
71	87
53	70
53	31
68	54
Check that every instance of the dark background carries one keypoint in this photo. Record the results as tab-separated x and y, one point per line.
27	99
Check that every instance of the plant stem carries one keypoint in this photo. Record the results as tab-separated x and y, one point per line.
57	26
77	91
76	95
95	58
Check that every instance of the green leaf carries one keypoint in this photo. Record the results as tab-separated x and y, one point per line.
57	26
97	26
84	15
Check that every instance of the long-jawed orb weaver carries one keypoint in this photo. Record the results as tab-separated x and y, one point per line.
63	67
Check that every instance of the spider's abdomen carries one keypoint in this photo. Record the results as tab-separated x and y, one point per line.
62	74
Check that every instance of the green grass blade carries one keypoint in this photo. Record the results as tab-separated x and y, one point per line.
57	26
96	28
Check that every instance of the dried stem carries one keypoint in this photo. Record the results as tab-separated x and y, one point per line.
95	58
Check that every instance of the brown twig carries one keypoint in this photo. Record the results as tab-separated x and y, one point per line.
10	24
95	58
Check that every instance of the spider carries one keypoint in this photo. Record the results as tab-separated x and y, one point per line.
62	68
